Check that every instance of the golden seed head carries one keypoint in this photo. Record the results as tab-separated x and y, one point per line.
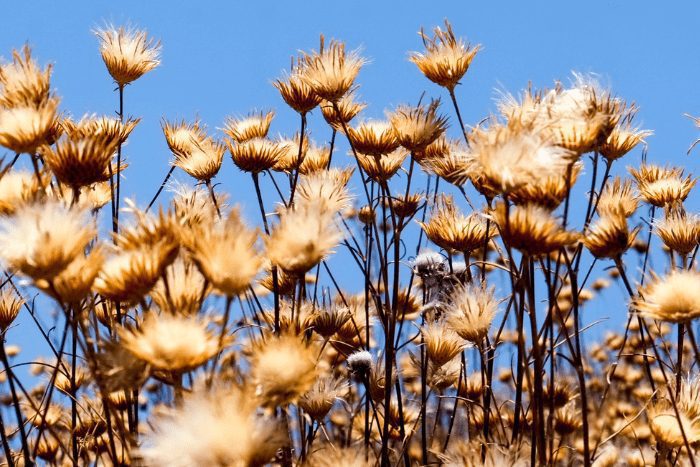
292	156
225	253
471	311
303	237
446	59
622	140
366	215
184	290
24	129
405	206
532	229
567	419
549	192
328	321
255	125
171	342
41	240
74	283
382	168
609	236
257	154
128	53
373	138
442	344
204	159
23	83
10	304
331	71
327	189
83	161
448	228
666	426
316	159
17	188
182	136
146	229
347	110
662	186
417	127
618	199
673	298
318	401
282	369
92	126
680	233
296	92
454	162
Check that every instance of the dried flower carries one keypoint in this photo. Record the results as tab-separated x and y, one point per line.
471	311
373	138
360	362
320	399
618	198
673	298
195	153
317	158
609	236
347	109
10	304
331	71
255	125
327	189
382	168
24	129
292	156
184	290
257	154
41	240
622	140
450	229
417	127
442	344
128	53
681	233
549	192
661	186
74	283
112	128
296	92
81	162
17	187
446	58
171	342
454	163
23	83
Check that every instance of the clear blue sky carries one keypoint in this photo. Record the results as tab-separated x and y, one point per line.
219	59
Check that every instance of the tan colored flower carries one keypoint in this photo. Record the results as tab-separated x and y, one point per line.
10	304
448	228
446	58
382	168
318	401
303	238
406	206
442	344
471	311
17	187
226	255
127	53
255	125
417	127
282	369
23	83
567	419
24	129
74	283
622	140
454	163
339	457
184	290
680	233
113	128
618	198
81	162
182	136
256	154
317	158
204	159
201	429
296	93
674	298
531	229
326	188
291	158
661	186
609	236
331	71
328	321
666	426
550	192
171	342
347	110
373	138
41	240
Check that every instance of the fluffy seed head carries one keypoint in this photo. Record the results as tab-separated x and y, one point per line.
17	187
622	140
448	228
666	426
373	138
257	154
609	237
347	110
382	168
673	298
204	159
442	344
331	71
662	186
317	158
74	283
326	188
184	288
454	162
128	53
91	126
255	125
680	233
618	198
24	129
296	93
360	362
446	59
318	401
81	162
472	309
23	82
417	127
549	192
10	304
292	156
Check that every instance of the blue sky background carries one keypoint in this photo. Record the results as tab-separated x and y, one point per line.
219	59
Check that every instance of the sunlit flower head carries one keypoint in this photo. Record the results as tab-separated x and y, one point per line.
296	92
680	233
17	187
257	154
417	127
127	52
471	311
662	186
83	161
382	168
672	298
23	82
373	137
618	198
448	228
24	129
327	188
347	109
254	125
331	71
609	236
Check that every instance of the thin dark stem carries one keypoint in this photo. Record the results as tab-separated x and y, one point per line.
459	115
161	188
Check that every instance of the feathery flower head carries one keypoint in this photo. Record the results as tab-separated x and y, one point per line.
282	369
618	198
331	71
10	304
291	158
225	253
23	83
382	168
257	154
185	286
91	126
549	192
303	237
471	311
296	92
128	53
254	125
662	186
373	138
609	236
448	228
442	344
74	283
319	400
446	59
455	163
326	188
17	187
24	129
82	161
182	136
347	110
171	342
419	126
680	233
532	229
360	362
666	426
204	159
41	240
621	140
673	298
316	159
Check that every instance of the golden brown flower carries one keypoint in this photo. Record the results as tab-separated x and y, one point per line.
255	125
318	401
303	237
257	154
74	283
326	188
282	369
41	240
10	304
549	192
225	253
666	425
81	162
17	187
446	58
618	198
382	168
673	298
531	229
331	71
296	93
471	311
112	128
567	419
23	83
680	233
662	186
171	342
291	158
24	129
454	163
204	159
328	321
347	110
317	158
442	344
373	138
128	53
448	228
622	140
185	288
417	127
609	236
405	206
